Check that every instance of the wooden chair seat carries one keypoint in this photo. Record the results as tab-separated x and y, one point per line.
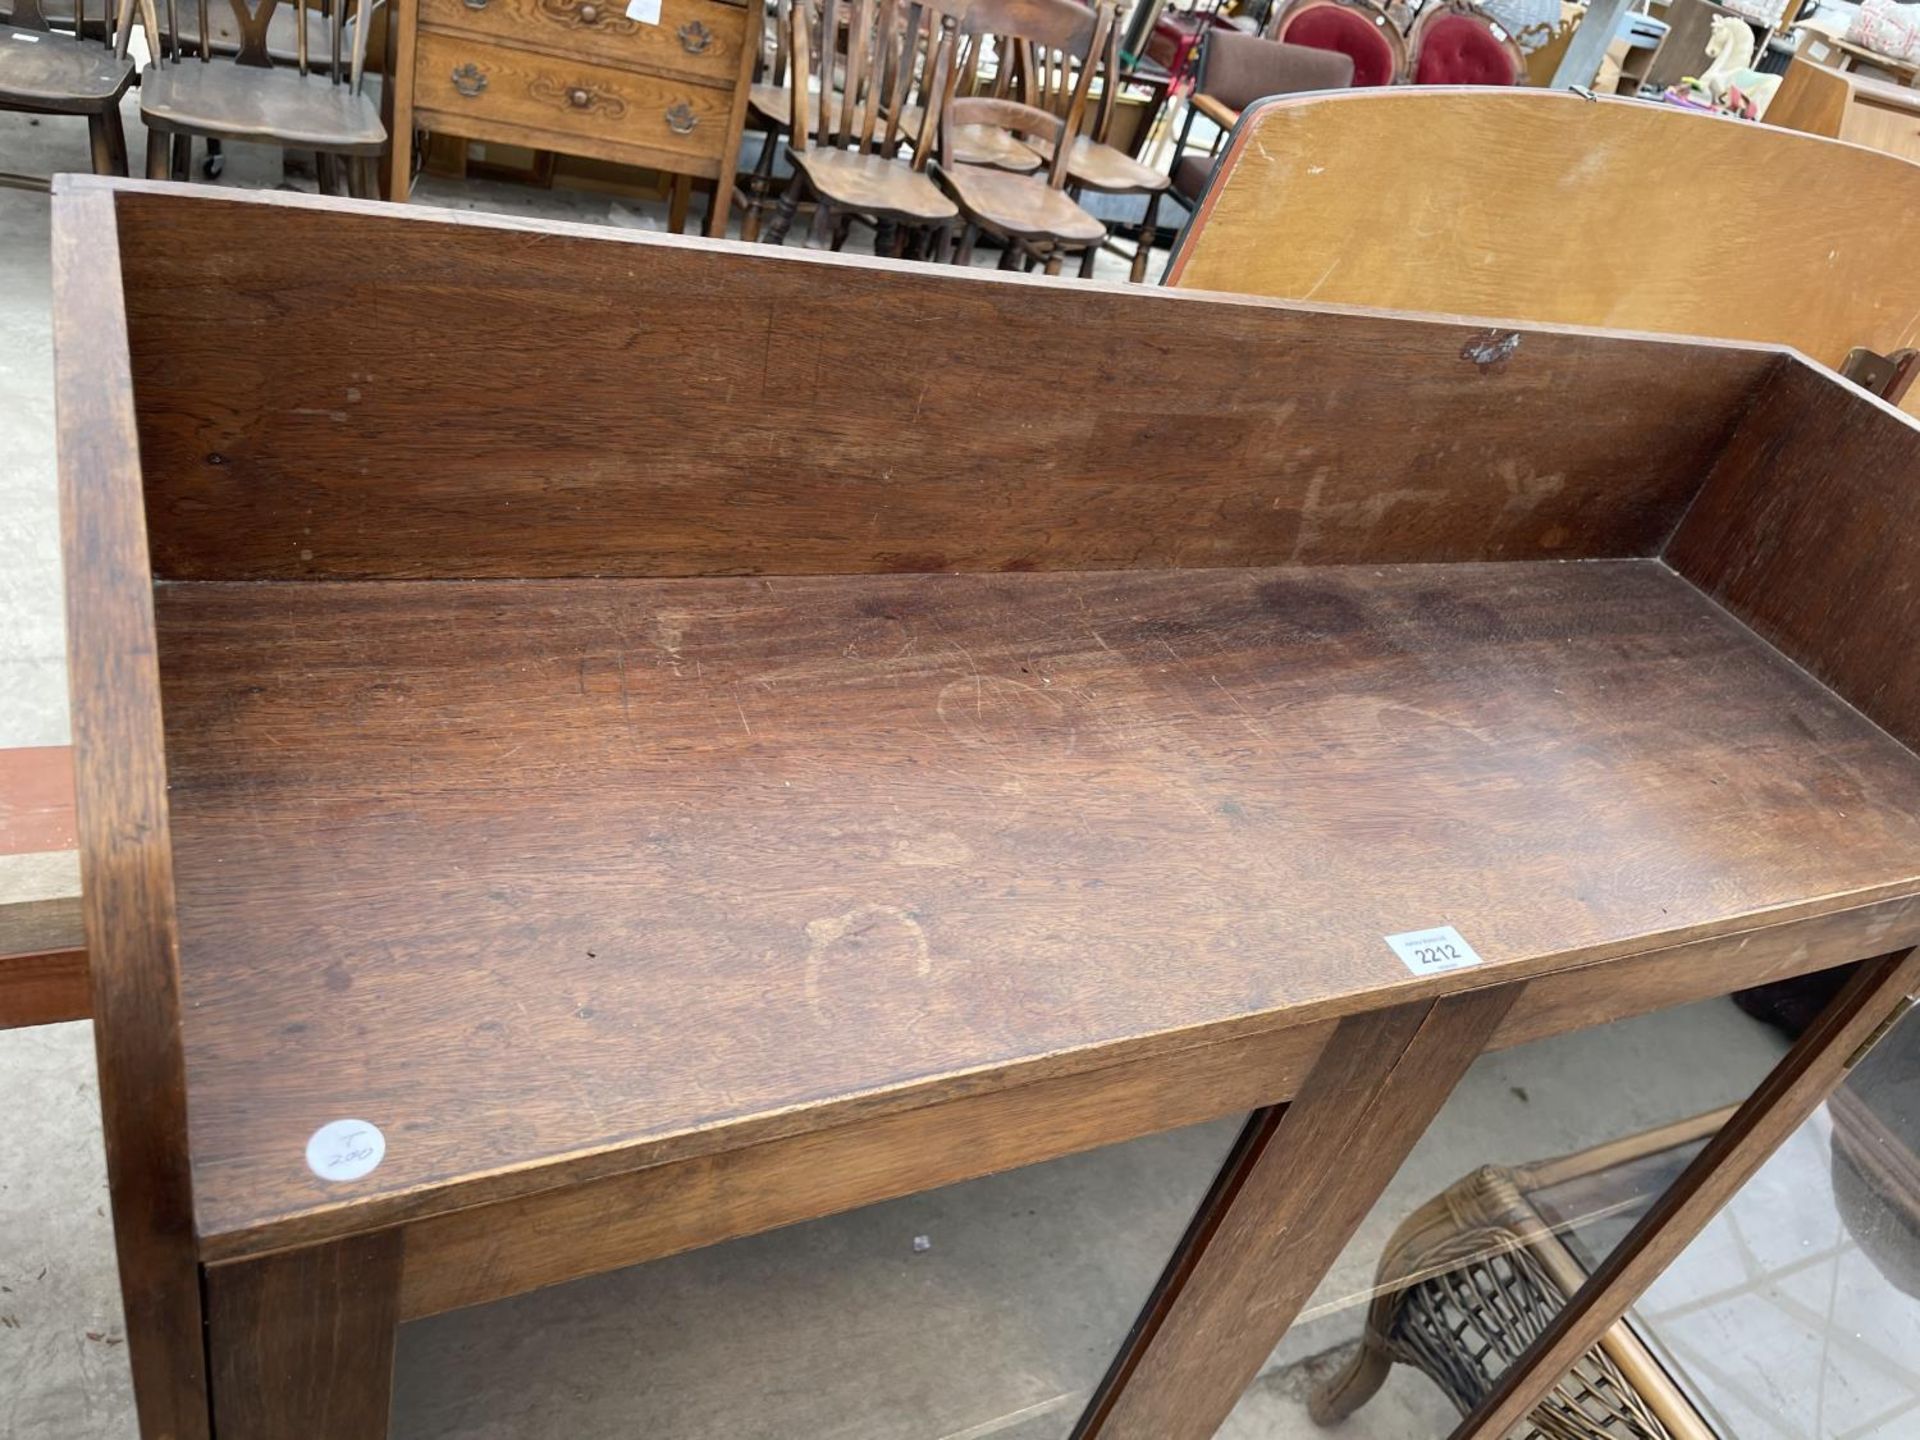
1101	167
773	105
1019	205
979	144
244	102
47	70
874	185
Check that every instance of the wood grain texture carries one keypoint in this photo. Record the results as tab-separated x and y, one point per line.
876	840
705	429
1284	1207
592	109
710	54
1783	1101
1806	530
41	987
484	1253
1486	202
300	1344
36	799
121	800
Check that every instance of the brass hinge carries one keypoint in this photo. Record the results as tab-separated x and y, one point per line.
1880	1031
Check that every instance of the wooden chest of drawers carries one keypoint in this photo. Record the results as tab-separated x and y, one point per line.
595	78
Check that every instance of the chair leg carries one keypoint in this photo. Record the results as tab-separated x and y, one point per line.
1010	256
1053	262
969	234
327	169
1087	257
102	149
183	158
759	187
1148	229
159	153
783	214
943	244
363	178
843	229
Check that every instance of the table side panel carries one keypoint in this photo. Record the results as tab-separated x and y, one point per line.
744	412
1808	528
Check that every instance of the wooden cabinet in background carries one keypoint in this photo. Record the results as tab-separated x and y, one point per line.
1848	106
580	77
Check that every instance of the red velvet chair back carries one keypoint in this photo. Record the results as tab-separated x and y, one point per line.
1456	44
1352	28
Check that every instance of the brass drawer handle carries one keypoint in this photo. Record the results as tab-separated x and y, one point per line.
694	37
681	119
468	79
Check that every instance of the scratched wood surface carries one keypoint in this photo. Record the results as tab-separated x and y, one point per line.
553	402
1807	529
526	873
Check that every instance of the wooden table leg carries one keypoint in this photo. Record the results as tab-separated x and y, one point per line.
1790	1093
679	196
300	1343
1297	1185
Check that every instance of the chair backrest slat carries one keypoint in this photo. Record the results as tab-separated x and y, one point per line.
1057	42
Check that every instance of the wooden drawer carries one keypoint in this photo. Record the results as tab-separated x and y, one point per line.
486	90
699	39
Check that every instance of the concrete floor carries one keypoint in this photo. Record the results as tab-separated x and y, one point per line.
847	1327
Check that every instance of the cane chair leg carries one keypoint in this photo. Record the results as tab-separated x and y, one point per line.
1355	1383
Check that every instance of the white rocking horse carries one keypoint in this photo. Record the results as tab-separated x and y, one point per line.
1730	47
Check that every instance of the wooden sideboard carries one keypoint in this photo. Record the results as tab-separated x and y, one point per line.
581	77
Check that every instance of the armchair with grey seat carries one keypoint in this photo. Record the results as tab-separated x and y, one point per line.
1236	70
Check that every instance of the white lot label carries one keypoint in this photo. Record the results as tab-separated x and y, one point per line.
345	1150
1428	952
647	12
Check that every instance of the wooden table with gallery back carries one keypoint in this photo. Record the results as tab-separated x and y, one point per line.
655	83
604	799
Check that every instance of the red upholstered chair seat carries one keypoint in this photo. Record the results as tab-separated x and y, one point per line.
1461	50
1351	33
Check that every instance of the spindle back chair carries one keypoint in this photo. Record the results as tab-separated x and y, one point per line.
1032	216
845	146
318	104
44	71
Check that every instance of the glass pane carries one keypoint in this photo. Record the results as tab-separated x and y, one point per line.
1535	1167
989	1308
1796	1313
